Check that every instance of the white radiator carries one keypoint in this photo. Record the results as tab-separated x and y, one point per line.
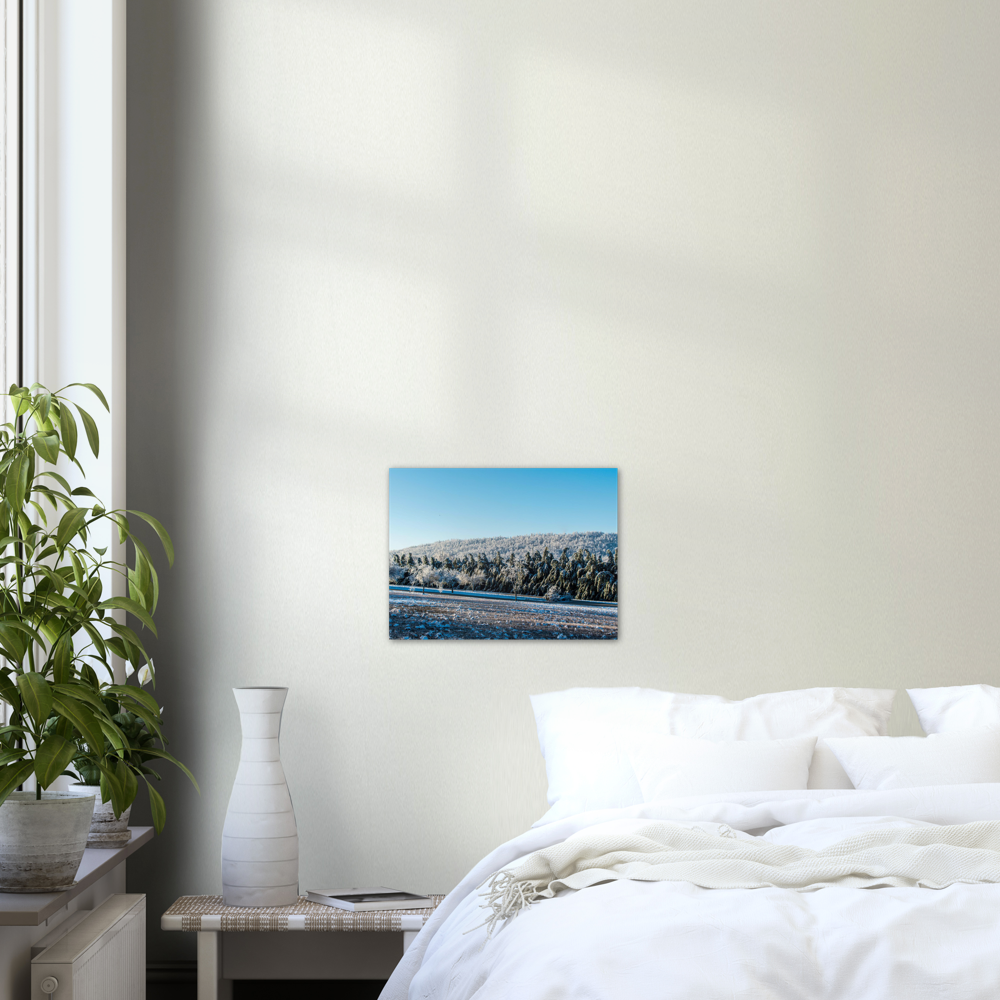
98	956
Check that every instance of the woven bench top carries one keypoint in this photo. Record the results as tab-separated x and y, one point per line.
207	913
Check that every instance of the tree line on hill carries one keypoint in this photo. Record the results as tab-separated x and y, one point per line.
601	543
582	575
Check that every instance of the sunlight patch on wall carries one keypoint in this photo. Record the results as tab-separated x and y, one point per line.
642	162
367	99
931	232
724	426
317	325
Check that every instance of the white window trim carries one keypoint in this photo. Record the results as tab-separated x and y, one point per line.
64	201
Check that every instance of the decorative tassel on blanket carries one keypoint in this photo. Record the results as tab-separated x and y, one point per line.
507	895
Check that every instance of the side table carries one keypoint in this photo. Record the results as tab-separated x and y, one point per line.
237	942
26	917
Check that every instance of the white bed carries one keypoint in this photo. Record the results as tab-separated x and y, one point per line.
673	940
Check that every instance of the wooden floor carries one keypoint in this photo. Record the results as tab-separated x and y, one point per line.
275	989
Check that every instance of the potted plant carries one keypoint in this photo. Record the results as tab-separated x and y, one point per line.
108	830
57	640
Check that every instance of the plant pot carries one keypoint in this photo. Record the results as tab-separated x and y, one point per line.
106	832
260	841
42	840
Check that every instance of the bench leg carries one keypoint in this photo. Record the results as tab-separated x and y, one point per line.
211	985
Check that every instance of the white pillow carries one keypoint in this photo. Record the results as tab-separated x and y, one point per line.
586	734
879	762
671	766
956	709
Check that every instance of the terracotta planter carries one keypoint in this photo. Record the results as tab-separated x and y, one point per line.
42	840
105	831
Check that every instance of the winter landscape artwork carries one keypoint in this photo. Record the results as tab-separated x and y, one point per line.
503	553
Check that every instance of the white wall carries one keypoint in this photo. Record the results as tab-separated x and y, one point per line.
745	252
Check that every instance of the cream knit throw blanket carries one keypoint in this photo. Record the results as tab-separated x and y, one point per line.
932	857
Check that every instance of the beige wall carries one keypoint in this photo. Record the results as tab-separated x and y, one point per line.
745	252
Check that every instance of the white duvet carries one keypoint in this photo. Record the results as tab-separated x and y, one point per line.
640	940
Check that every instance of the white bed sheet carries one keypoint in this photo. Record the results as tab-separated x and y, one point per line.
675	941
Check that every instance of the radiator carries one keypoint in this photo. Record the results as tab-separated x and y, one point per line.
98	956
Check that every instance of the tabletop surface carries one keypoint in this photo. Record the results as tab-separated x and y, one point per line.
208	913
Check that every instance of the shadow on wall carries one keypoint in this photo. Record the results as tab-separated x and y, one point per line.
158	422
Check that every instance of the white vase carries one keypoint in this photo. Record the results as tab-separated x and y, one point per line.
260	842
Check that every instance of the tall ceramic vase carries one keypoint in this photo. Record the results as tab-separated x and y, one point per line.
260	842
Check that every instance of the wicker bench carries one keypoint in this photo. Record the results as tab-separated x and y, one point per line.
237	942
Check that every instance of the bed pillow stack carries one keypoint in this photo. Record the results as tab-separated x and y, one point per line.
957	709
962	746
594	739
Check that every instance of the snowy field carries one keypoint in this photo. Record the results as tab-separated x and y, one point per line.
453	616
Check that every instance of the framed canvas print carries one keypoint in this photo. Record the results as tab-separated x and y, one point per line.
503	553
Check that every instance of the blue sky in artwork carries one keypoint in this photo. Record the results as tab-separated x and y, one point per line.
433	505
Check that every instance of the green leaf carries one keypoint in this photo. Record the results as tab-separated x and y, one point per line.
130	638
29	473
26	527
12	640
34	503
20	626
77	569
156	807
70	433
137	694
91	428
111	788
150	718
161	533
20	397
81	692
93	388
13	775
85	721
132	607
141	585
96	588
114	734
123	526
16	485
46	445
8	691
9	756
71	522
96	639
52	758
12	644
130	783
58	585
173	760
36	695
62	660
117	646
59	479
